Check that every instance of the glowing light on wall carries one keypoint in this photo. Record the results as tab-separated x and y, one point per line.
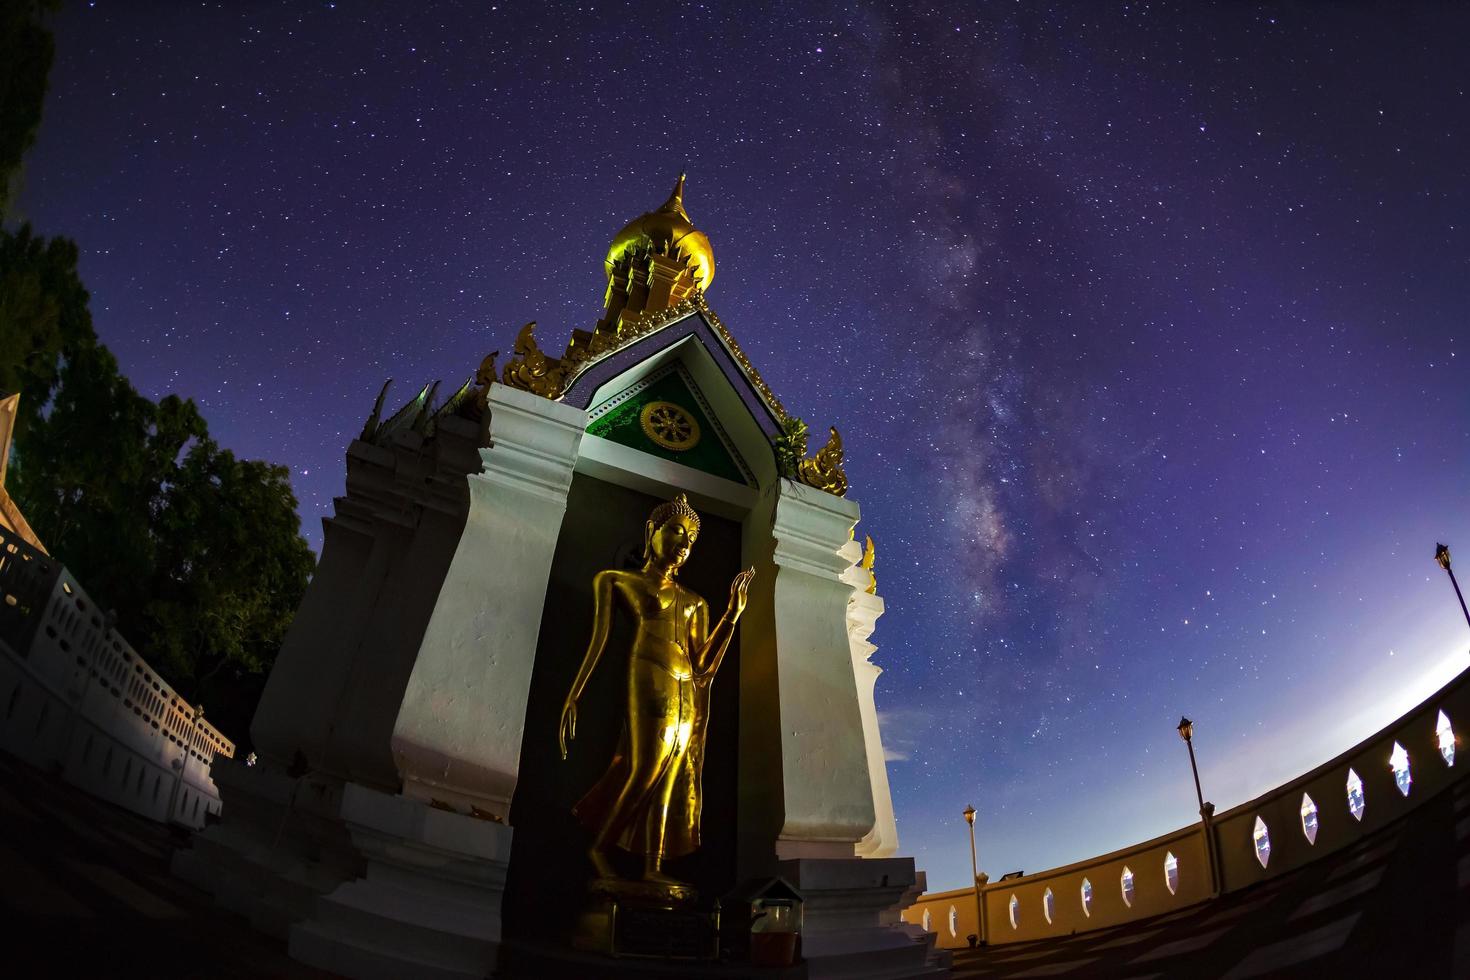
1355	795
1398	761
1309	819
1445	735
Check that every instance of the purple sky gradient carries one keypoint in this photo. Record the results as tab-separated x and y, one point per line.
1146	330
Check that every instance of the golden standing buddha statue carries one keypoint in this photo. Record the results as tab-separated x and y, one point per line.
648	802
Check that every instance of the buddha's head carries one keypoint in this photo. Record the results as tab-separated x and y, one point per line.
670	533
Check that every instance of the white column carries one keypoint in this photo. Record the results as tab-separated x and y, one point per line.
458	734
863	610
827	794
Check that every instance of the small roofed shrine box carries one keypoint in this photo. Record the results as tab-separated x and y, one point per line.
763	919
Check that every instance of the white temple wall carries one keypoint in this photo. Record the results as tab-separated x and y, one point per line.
311	667
343	669
863	610
458	732
827	796
79	702
433	502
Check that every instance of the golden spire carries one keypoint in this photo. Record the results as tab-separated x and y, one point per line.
675	203
658	260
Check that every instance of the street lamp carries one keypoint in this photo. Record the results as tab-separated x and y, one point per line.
1186	732
1442	555
974	872
1206	810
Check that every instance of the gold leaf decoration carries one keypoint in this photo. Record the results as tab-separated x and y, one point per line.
869	557
824	470
532	370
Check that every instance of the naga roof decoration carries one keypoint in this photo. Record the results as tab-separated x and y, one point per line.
420	415
534	371
403	418
456	404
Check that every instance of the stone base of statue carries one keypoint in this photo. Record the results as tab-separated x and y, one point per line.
429	905
646	919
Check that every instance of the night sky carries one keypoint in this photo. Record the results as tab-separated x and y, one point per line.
1145	327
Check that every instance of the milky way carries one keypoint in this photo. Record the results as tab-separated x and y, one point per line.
1144	329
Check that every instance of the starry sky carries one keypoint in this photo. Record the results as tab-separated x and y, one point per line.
1145	325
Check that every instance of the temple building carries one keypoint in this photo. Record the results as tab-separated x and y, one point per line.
79	701
501	735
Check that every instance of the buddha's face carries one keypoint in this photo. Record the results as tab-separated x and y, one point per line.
672	541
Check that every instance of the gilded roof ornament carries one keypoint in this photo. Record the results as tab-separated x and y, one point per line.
869	557
370	428
484	377
402	419
588	347
824	470
425	414
666	231
532	370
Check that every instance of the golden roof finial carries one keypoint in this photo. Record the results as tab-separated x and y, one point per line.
669	232
675	203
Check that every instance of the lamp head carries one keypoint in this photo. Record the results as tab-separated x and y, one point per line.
1442	555
1186	729
970	815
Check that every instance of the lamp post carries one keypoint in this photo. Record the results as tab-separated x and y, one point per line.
1442	555
1186	732
975	874
1206	810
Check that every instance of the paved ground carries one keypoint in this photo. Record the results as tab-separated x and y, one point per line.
1396	905
86	892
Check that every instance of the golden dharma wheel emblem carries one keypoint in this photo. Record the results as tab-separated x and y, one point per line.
669	426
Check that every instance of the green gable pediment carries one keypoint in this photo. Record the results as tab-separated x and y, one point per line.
665	415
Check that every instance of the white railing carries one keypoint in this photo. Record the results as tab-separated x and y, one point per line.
1316	814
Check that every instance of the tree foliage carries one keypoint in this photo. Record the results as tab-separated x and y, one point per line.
26	52
198	551
43	312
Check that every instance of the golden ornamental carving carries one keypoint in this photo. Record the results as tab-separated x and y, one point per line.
536	372
869	557
532	370
485	377
824	470
669	426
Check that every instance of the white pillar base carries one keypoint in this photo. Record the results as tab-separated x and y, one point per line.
430	903
843	934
